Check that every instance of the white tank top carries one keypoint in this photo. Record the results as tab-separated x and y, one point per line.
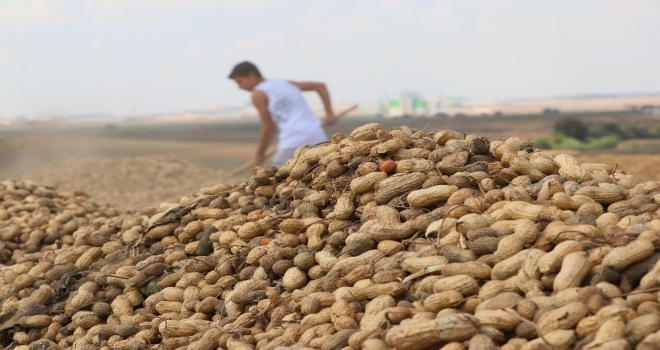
297	123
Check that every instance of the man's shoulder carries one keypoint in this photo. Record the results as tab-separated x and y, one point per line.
277	82
258	95
266	83
271	85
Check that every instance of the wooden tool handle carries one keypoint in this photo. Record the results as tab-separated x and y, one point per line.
342	114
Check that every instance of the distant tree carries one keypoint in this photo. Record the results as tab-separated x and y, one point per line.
607	129
613	129
572	127
636	132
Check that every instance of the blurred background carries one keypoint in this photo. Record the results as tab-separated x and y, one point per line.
129	99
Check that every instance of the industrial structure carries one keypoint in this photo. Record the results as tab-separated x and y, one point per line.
411	104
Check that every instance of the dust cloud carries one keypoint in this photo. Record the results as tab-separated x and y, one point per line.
79	160
25	150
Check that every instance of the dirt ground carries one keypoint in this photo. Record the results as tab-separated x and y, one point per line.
128	183
136	165
644	166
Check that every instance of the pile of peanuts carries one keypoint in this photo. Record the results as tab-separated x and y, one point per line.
398	239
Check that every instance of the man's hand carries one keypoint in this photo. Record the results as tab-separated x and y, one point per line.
322	90
258	159
330	118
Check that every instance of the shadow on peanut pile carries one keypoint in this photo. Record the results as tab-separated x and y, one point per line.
380	240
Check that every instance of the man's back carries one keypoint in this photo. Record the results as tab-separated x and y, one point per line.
297	123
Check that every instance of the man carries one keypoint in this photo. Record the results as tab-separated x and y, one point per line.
283	100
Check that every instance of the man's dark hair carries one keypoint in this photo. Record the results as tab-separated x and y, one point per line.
244	69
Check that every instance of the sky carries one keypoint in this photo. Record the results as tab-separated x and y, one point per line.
63	57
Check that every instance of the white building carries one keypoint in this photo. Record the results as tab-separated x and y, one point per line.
408	105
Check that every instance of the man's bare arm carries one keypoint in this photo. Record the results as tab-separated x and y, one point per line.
322	90
260	101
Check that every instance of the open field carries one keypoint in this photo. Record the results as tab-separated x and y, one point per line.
220	147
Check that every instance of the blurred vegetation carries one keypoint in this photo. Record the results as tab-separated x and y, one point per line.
572	133
572	127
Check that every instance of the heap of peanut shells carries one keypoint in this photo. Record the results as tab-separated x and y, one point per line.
377	240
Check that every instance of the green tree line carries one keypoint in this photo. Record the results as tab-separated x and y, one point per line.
572	133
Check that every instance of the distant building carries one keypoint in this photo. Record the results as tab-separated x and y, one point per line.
413	105
408	105
650	110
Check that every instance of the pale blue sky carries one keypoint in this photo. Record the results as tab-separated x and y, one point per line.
87	56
